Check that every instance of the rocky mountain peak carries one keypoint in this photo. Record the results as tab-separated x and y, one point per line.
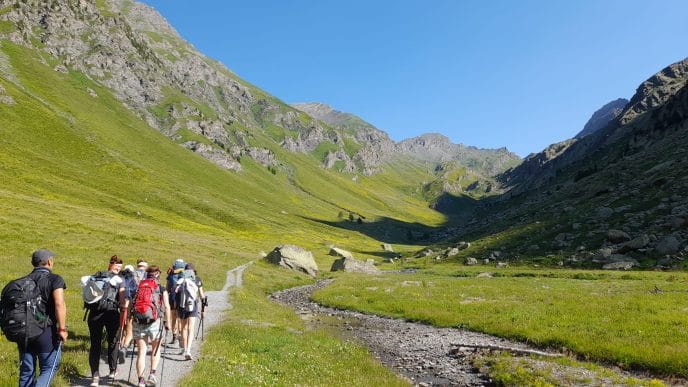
656	90
603	116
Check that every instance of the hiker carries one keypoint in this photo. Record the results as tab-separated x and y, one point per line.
39	339
173	275
104	298
189	293
151	314
138	275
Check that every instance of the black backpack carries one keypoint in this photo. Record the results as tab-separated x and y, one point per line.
109	301
23	311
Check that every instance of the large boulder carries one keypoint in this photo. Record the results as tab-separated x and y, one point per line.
354	266
668	245
337	252
295	258
387	247
618	236
635	244
471	261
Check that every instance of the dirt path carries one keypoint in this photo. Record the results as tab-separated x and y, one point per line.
430	356
175	367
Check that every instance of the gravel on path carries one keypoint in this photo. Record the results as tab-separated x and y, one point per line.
175	367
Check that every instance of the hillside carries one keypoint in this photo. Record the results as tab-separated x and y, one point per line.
614	198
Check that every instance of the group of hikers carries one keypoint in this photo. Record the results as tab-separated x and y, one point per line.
130	305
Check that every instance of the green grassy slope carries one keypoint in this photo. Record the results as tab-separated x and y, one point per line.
87	178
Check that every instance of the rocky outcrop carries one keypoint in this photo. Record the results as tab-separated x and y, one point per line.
293	257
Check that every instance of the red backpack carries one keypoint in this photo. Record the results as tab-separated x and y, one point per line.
148	301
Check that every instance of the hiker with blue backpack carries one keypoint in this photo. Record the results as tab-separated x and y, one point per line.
173	275
104	298
33	314
188	295
151	313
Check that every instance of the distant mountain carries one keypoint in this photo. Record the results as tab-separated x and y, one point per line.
603	116
538	169
333	117
437	148
627	178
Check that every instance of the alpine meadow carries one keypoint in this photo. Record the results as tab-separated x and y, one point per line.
363	260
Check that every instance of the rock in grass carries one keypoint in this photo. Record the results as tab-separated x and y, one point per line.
621	265
387	247
295	258
471	261
337	252
355	266
618	236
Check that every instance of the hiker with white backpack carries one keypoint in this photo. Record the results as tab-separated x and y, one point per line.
151	313
189	295
104	298
33	314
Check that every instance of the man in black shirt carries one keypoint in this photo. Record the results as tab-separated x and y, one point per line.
45	347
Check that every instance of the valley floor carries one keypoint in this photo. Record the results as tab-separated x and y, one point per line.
428	355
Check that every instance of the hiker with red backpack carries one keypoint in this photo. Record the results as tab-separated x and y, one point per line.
33	314
188	296
130	293
103	295
151	314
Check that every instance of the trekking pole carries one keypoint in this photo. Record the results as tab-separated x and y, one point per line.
162	366
54	366
131	363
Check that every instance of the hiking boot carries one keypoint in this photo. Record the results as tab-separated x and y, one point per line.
142	382
95	382
152	380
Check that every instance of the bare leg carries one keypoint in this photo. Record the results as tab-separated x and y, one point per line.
155	354
141	360
190	333
185	333
129	335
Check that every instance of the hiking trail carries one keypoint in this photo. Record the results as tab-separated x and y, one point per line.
175	367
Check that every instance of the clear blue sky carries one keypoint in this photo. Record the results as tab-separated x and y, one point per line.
521	74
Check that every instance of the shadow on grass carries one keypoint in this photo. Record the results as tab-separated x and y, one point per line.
457	209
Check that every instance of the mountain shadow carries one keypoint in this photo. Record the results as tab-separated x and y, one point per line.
457	209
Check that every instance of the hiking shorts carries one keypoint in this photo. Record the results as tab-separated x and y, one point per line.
150	332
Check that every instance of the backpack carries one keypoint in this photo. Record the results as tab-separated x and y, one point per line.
130	287
23	311
99	294
148	302
186	293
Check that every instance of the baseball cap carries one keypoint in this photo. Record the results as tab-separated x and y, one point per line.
41	256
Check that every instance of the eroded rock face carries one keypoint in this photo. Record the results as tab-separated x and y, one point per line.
295	258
